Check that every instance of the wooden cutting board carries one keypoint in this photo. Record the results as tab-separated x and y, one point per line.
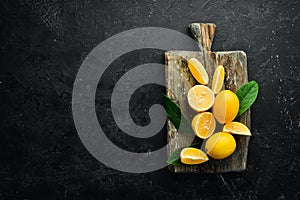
179	81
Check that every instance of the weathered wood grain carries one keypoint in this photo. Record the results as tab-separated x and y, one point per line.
179	81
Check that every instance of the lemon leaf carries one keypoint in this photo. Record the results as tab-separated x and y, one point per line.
247	94
174	158
173	111
176	117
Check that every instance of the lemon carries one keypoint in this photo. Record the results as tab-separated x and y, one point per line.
200	98
236	128
192	156
204	124
220	145
226	106
198	71
218	79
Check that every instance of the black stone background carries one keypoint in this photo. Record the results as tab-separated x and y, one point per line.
43	44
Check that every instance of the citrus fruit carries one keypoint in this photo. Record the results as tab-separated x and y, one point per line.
218	79
204	124
220	145
236	128
192	156
226	106
200	98
198	71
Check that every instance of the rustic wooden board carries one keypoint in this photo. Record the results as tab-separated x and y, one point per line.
179	81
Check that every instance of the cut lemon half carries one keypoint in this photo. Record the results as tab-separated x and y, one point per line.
204	125
192	156
236	128
218	79
200	98
198	71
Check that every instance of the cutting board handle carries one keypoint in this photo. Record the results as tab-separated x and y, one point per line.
204	34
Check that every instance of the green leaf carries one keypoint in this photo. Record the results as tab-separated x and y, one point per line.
174	158
174	115
247	95
173	111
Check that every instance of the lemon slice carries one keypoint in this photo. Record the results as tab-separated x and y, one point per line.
198	71
236	128
218	79
192	156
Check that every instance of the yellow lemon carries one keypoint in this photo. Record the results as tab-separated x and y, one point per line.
192	156
200	98
204	124
220	145
218	79
236	128
226	106
198	71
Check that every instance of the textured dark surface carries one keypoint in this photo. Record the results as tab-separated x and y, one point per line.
43	44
